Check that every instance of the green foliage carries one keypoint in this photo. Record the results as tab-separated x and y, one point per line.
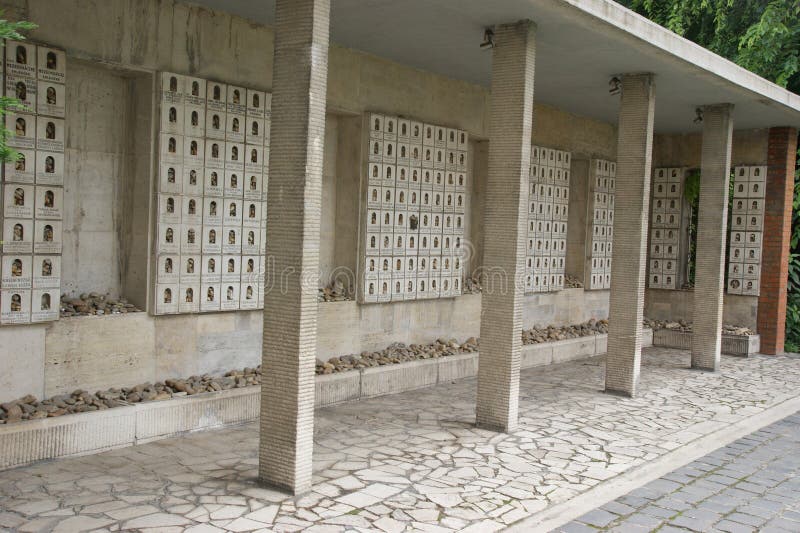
771	46
691	187
691	191
761	36
10	30
14	30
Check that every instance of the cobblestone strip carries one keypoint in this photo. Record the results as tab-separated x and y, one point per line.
749	485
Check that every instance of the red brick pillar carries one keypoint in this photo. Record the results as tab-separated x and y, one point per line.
777	231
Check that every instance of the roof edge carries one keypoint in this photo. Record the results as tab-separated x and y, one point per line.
681	49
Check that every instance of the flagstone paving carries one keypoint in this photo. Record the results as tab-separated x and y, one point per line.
753	484
411	461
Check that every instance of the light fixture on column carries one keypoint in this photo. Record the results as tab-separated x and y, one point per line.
488	39
614	86
698	115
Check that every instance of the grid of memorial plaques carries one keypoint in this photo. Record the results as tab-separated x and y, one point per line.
548	214
33	185
415	210
212	183
601	200
746	232
665	228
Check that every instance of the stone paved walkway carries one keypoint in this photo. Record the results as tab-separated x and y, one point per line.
408	462
752	484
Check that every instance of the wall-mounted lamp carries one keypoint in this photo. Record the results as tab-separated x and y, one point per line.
614	86
488	39
698	118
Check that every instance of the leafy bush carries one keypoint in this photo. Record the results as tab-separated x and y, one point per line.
10	30
793	297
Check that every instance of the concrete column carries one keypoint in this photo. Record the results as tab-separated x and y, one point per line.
628	270
505	216
775	244
712	226
294	201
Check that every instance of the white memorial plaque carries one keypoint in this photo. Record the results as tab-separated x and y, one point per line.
50	134
168	266
49	168
255	103
23	130
18	200
49	202
15	306
24	90
166	298
212	239
47	237
172	88
52	65
20	59
191	238
189	294
215	124
194	121
17	236
46	272
22	170
216	96
16	272
45	304
194	92
210	296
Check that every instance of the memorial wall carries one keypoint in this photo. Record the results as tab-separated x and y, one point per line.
33	192
213	165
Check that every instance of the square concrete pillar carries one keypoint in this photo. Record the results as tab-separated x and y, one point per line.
775	244
294	201
628	270
712	227
505	218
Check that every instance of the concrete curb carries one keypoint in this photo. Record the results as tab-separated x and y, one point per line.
562	513
740	345
98	431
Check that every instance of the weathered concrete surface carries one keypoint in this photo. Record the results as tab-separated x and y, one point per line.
676	150
84	352
22	350
677	305
96	353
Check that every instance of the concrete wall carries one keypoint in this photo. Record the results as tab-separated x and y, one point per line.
679	305
22	352
123	350
95	158
330	180
749	148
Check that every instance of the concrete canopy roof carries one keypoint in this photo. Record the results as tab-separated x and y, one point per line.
581	44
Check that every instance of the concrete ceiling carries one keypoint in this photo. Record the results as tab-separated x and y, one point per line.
581	44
